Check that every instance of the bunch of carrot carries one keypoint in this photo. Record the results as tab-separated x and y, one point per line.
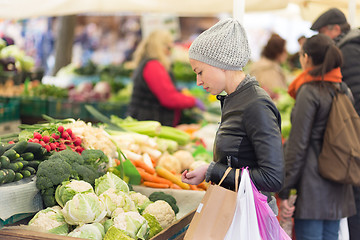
160	177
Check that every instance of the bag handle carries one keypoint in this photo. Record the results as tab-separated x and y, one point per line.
237	174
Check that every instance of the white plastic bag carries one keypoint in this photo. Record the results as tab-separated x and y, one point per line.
244	225
344	229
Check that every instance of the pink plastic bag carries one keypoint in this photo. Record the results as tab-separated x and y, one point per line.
269	226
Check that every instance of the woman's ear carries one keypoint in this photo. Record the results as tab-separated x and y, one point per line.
307	59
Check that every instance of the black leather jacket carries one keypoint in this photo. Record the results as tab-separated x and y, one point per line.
249	136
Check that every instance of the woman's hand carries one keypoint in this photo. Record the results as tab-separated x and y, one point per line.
194	177
286	211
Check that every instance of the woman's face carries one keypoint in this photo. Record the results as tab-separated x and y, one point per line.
212	79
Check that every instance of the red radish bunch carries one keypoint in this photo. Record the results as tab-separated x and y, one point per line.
58	141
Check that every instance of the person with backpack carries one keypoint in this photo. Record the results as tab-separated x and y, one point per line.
321	203
333	23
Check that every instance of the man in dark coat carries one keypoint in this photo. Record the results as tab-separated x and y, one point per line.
334	24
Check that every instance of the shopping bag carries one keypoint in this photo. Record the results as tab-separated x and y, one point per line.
344	229
214	213
269	225
244	225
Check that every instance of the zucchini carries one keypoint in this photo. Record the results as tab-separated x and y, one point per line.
18	176
20	146
11	154
28	156
5	161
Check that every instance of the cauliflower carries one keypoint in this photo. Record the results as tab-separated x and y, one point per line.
116	212
162	211
169	162
113	199
50	220
132	223
185	158
138	198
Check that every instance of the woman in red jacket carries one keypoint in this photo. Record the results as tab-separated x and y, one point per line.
155	96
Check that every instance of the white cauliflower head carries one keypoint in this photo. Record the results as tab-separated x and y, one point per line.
50	220
138	198
113	199
162	211
132	223
185	158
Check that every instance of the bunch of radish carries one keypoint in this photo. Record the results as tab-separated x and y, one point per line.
59	140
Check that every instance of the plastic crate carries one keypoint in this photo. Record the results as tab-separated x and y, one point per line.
110	108
64	108
33	106
9	109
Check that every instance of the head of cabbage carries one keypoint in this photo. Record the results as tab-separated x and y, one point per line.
50	220
110	180
68	189
93	231
84	208
132	223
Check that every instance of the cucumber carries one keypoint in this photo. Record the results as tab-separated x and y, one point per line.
26	173
11	154
3	175
34	163
20	146
17	159
30	169
28	156
25	163
5	161
2	149
18	176
38	151
11	176
14	166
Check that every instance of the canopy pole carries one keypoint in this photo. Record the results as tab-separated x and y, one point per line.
352	12
239	10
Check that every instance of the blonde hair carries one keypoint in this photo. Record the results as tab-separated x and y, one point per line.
153	47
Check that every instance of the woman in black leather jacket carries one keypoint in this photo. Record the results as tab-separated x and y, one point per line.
320	203
249	131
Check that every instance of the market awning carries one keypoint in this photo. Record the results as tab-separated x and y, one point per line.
21	9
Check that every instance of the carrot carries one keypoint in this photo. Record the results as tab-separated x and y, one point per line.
117	162
153	178
163	172
175	186
203	185
155	185
193	187
143	165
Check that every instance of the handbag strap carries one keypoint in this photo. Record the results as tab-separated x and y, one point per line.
237	174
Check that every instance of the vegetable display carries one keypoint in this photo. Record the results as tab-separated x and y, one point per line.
115	213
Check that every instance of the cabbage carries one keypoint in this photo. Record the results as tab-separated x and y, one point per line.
113	199
68	189
84	208
110	180
89	231
132	223
50	220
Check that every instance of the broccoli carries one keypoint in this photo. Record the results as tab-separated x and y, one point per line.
167	198
51	173
154	225
86	172
94	157
48	196
69	156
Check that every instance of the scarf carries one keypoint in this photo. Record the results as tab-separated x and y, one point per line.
334	76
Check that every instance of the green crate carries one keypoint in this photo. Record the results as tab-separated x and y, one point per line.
33	106
64	108
9	109
111	108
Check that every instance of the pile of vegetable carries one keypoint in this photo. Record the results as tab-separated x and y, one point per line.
284	102
107	211
20	160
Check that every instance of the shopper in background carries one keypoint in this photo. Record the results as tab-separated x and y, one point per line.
320	203
267	70
154	95
333	23
293	60
249	131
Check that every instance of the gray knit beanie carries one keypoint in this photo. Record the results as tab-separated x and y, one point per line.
224	46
